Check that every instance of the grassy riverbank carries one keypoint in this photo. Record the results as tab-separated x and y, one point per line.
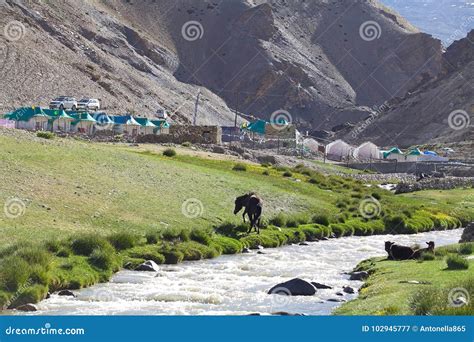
417	287
75	212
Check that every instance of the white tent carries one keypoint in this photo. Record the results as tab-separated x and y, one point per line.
367	151
338	150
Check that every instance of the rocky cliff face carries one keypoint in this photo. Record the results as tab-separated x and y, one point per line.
324	62
440	110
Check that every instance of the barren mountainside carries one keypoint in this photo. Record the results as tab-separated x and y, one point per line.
309	58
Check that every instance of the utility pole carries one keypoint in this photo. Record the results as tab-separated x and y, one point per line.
196	108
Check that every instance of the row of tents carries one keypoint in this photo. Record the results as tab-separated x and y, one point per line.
40	119
340	150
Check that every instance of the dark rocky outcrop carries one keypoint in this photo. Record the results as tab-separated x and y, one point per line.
66	293
468	233
320	286
294	287
361	275
27	307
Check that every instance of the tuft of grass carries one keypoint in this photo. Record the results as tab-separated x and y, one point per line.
45	135
320	219
104	258
123	240
287	174
201	235
466	248
86	244
239	167
456	262
266	173
169	152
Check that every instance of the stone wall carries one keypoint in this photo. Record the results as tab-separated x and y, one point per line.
435	183
181	133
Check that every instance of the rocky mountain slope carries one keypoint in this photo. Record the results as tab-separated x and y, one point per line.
324	63
441	110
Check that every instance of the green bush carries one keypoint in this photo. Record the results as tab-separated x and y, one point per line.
265	173
240	167
147	252
320	219
425	301
456	262
287	174
427	256
279	220
295	220
229	245
201	235
175	234
466	248
231	229
85	244
395	224
123	240
14	272
103	258
36	256
169	152
45	135
152	237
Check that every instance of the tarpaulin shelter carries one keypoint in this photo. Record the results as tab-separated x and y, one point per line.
147	127
104	122
162	126
59	120
414	155
126	124
367	151
393	154
338	150
83	123
31	118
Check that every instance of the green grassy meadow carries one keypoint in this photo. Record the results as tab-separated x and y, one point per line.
93	208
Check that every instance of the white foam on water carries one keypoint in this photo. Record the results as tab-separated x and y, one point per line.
237	284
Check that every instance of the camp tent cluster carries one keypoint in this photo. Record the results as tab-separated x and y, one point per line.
340	150
39	119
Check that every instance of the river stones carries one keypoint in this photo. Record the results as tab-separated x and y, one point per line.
246	250
359	275
148	266
27	307
303	244
468	233
66	293
348	289
320	286
294	287
336	300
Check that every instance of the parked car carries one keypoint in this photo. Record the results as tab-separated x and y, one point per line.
64	102
89	104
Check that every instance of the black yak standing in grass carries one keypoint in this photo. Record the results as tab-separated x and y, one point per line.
253	209
398	252
430	249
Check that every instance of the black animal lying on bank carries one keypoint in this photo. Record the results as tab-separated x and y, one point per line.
399	252
430	249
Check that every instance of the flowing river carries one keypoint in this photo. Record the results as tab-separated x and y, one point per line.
237	284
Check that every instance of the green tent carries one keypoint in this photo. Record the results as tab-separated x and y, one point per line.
26	113
160	123
415	152
256	126
145	122
393	150
56	114
81	117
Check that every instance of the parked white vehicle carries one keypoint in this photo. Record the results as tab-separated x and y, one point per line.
88	104
64	102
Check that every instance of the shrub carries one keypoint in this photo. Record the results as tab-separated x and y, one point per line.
201	235
320	219
466	248
265	173
45	135
103	258
425	301
287	174
229	245
240	167
295	220
14	272
148	252
427	256
85	244
152	237
173	234
36	256
279	220
123	240
456	262
169	152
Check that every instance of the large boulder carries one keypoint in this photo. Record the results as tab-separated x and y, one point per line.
149	266
320	286
66	293
294	287
468	233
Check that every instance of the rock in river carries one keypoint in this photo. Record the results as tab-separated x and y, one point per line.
294	287
66	293
149	266
27	307
359	275
320	286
